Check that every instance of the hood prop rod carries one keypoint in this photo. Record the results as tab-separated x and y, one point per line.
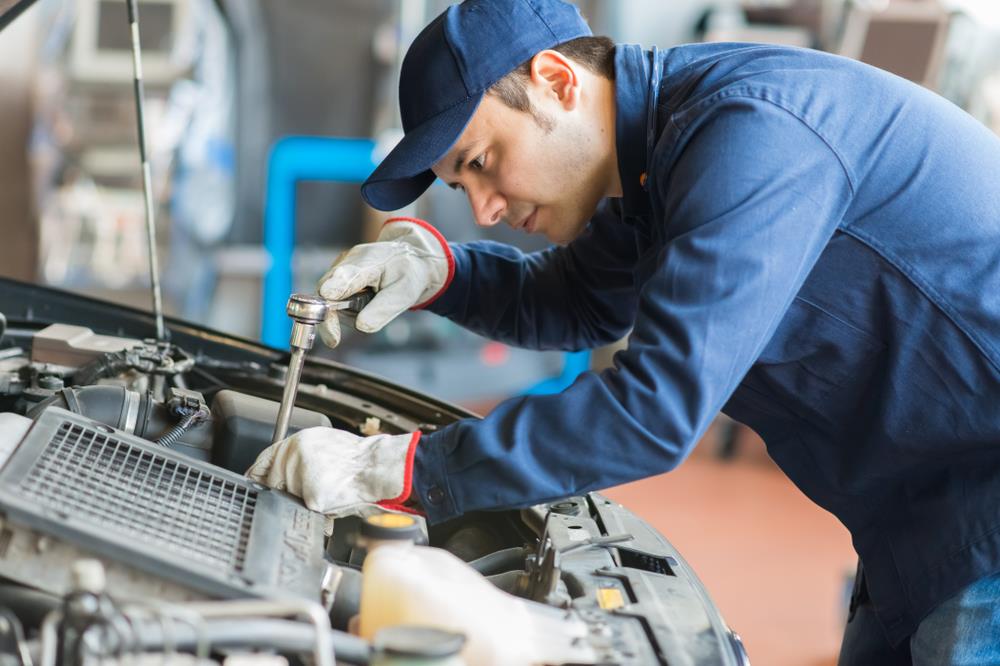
147	180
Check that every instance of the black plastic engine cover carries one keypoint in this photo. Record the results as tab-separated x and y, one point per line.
244	425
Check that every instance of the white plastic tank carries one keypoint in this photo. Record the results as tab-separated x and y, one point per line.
405	584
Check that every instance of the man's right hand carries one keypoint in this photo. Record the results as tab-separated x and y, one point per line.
408	266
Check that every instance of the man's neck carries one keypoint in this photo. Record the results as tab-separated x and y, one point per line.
606	110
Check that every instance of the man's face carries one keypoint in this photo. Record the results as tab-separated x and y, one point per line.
538	179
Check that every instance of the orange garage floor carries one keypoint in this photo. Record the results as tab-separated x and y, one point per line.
773	561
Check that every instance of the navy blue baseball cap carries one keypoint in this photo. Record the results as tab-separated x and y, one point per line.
447	70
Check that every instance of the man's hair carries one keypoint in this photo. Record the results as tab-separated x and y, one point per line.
595	53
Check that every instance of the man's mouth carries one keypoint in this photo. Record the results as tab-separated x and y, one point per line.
528	225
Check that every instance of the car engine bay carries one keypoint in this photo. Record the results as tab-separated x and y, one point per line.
123	464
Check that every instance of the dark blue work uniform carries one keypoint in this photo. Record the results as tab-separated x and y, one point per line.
816	252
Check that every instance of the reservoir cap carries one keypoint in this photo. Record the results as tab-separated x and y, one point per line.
391	527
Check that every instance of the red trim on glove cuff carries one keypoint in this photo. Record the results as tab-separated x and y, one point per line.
385	504
396	503
447	253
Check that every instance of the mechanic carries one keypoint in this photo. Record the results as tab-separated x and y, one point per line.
804	242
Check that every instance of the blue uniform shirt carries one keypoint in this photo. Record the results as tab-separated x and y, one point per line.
815	252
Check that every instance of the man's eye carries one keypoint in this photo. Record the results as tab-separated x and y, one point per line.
478	163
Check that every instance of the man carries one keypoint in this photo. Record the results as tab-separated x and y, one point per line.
809	244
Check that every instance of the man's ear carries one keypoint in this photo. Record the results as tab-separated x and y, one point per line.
556	75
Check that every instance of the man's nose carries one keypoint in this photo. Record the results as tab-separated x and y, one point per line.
488	206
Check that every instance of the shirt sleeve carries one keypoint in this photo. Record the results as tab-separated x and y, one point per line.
751	196
569	298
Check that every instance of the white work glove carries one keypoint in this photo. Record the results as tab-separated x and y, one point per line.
335	472
409	266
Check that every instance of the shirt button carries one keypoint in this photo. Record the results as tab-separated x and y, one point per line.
435	495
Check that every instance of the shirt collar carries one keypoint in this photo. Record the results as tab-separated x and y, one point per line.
632	74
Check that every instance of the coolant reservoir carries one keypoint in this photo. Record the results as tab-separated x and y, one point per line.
405	584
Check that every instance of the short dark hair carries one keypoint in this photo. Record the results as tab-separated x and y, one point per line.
595	53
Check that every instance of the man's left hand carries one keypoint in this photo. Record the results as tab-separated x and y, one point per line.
334	471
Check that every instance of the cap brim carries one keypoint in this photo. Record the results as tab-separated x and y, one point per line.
405	172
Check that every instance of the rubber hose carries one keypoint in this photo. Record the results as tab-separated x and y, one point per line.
102	403
281	635
108	404
500	561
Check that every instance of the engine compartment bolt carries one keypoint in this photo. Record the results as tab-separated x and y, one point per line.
42	544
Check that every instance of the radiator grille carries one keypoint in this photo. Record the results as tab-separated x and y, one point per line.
97	478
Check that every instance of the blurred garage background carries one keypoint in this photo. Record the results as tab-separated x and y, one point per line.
237	88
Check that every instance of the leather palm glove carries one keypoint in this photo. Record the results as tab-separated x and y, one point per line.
337	472
409	266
